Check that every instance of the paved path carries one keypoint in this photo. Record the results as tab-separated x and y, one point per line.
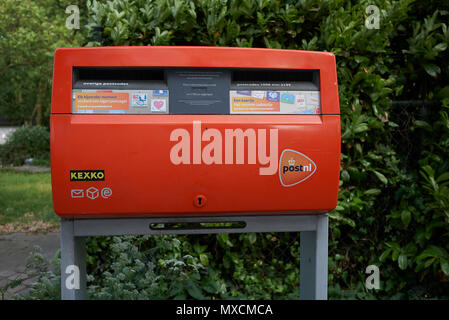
15	249
28	168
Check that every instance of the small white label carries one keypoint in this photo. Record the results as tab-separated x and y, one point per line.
258	94
312	99
300	100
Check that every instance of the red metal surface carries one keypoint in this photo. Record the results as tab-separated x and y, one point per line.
135	150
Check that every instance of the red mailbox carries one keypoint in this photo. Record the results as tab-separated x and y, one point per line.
194	131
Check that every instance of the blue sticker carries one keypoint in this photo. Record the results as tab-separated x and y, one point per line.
244	93
139	100
273	95
160	92
288	98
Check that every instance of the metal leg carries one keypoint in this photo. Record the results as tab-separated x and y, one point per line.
313	261
73	263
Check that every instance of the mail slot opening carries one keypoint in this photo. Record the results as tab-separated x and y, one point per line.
201	225
117	73
276	75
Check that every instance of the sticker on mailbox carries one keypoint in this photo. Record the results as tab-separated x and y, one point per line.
87	175
295	167
103	101
139	100
158	105
274	102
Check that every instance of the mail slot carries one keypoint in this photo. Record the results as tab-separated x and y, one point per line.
194	131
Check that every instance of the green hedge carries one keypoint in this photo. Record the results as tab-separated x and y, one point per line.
393	208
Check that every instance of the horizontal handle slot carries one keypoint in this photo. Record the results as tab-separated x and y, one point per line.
198	225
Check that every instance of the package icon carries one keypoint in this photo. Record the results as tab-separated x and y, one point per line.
92	193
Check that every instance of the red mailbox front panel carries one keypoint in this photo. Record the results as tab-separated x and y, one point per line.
191	131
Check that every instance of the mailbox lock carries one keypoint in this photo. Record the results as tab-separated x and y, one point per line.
199	201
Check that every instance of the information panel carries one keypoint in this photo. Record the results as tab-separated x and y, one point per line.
120	101
274	102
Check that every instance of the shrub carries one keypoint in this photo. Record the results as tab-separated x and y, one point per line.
35	141
393	198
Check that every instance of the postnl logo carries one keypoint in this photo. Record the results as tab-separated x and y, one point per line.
295	167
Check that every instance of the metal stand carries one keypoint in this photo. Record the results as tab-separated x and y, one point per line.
313	243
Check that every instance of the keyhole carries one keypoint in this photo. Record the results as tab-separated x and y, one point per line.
199	201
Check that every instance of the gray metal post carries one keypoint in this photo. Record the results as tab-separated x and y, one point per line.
73	263
314	261
313	244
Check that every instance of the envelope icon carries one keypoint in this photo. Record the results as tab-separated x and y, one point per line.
77	193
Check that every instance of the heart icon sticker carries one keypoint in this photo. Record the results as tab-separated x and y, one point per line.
158	104
295	167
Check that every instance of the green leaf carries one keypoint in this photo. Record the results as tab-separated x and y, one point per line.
402	261
434	252
381	177
337	216
194	291
210	286
395	255
252	237
422	124
443	177
445	267
361	128
394	245
429	262
406	217
440	47
204	259
345	176
443	93
432	69
373	192
393	124
385	255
